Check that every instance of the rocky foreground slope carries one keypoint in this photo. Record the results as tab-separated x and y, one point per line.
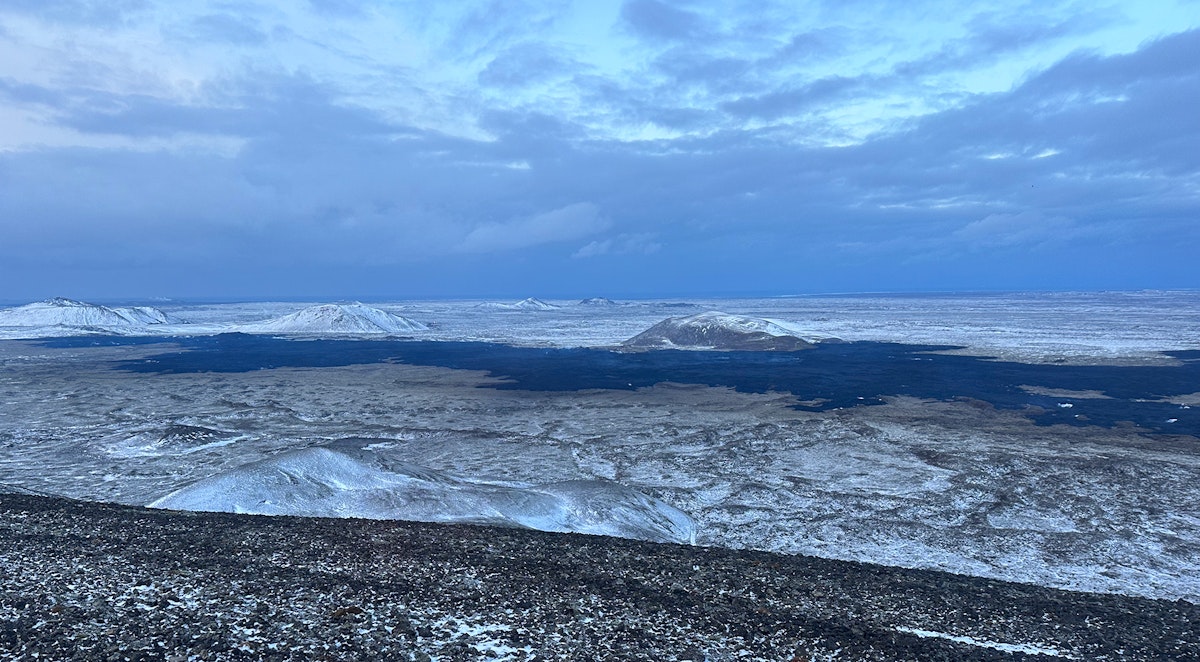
95	581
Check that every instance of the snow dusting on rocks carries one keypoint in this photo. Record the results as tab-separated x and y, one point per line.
92	581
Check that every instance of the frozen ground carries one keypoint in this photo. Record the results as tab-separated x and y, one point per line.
952	485
1109	327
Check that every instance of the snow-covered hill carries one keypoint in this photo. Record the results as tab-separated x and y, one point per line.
525	304
334	318
716	330
354	482
60	312
146	315
598	301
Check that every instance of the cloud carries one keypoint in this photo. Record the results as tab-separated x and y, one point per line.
225	28
248	106
492	26
687	65
642	243
81	12
992	35
340	8
1122	113
1024	229
524	64
563	224
659	20
701	147
795	100
25	93
815	44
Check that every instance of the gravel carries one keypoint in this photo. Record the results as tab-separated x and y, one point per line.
94	581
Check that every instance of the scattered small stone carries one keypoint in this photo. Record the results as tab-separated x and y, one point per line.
343	612
211	586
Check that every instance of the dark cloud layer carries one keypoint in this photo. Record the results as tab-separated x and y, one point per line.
1087	174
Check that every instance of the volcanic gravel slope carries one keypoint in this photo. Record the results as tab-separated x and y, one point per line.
96	581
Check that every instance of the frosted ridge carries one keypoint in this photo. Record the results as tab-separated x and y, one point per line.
351	482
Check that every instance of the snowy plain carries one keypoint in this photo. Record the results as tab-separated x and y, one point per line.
950	485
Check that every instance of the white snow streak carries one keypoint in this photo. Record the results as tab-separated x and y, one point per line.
1028	649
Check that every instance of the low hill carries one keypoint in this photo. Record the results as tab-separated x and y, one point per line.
70	313
334	318
717	330
347	481
524	304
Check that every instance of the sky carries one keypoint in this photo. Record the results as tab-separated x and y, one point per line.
635	148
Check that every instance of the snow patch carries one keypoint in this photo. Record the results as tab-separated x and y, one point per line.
1028	649
487	639
355	482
